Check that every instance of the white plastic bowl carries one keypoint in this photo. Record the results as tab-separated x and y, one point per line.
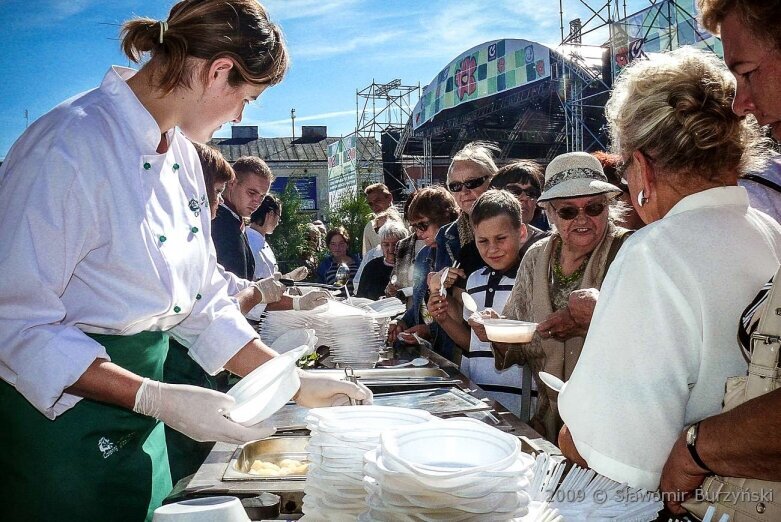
366	419
293	339
509	331
208	509
265	390
449	448
467	486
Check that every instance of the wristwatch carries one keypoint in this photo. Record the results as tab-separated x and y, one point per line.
691	444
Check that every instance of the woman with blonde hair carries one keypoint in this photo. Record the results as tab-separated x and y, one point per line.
662	340
109	225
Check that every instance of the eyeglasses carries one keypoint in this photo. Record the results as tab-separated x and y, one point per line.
531	192
422	226
570	212
471	184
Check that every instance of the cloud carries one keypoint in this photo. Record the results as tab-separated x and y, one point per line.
43	14
311	117
321	49
295	9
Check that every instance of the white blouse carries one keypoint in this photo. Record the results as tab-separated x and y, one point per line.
265	260
663	338
101	234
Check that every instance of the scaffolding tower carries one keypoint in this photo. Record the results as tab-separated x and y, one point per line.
580	92
383	109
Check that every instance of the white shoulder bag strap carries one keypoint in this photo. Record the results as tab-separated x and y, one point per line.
763	373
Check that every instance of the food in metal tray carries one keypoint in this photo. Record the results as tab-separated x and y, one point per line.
281	468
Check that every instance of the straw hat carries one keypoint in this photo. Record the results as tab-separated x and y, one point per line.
573	175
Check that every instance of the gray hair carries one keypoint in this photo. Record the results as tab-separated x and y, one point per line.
676	108
481	153
393	228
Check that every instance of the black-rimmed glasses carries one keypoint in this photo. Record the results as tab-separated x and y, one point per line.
530	192
471	184
570	212
422	226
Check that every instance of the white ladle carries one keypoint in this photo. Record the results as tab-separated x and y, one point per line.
553	382
469	302
418	361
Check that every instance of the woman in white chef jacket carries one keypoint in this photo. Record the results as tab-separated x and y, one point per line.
106	252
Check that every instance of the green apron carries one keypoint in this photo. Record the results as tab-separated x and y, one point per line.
94	462
185	455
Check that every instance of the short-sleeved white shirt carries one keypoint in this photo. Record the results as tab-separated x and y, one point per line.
662	340
102	234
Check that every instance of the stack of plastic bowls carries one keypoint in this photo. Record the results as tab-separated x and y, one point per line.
339	438
454	470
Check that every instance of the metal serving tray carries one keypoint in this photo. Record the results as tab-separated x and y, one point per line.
384	373
272	449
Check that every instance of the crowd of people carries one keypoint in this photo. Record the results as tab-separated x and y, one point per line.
641	267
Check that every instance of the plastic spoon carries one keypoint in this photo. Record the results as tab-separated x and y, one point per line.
442	280
418	361
469	302
553	382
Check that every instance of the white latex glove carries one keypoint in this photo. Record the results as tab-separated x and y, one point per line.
299	274
310	300
271	290
196	412
319	391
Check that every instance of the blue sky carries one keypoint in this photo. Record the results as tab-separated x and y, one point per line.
53	49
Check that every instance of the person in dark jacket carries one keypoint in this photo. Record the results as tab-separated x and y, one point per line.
377	272
242	197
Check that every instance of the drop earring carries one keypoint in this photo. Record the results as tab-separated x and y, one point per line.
641	199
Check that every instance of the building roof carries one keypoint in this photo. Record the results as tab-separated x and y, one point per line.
286	149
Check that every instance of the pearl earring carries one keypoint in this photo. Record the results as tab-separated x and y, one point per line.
641	199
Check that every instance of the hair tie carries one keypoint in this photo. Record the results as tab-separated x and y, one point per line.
163	29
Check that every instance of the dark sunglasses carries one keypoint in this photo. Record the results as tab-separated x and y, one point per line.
421	225
471	184
530	192
569	213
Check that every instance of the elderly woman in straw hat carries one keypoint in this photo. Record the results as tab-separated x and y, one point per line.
561	273
663	337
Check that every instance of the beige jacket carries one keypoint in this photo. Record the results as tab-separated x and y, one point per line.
530	301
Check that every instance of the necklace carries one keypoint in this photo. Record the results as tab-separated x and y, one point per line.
558	273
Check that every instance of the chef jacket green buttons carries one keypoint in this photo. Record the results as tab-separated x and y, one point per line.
194	230
198	297
163	239
177	309
176	166
147	165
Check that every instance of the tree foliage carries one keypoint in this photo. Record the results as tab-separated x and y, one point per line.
351	211
289	239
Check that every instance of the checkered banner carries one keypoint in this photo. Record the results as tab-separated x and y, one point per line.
482	71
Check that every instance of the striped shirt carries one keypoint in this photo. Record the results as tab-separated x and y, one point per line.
491	289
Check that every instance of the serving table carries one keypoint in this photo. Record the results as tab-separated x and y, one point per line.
209	480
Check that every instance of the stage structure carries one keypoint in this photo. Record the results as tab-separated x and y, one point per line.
535	101
382	110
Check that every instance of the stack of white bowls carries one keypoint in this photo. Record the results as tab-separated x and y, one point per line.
454	470
353	334
340	436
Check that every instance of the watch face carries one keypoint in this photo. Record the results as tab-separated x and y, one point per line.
691	435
